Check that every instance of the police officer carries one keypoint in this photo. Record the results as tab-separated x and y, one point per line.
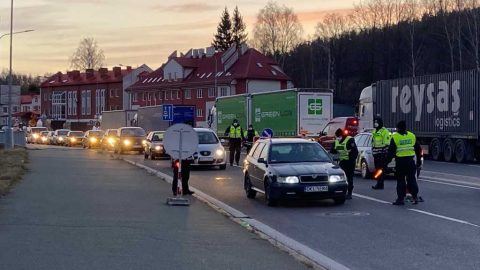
249	135
347	150
380	142
185	176
404	147
235	134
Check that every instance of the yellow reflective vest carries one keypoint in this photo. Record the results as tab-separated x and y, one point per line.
380	138
235	132
342	148
405	144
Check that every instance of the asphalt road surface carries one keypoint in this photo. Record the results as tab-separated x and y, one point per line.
78	209
368	232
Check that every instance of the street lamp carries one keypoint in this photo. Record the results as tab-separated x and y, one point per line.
9	143
18	32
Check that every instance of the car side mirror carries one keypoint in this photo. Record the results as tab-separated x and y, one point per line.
222	141
323	133
262	160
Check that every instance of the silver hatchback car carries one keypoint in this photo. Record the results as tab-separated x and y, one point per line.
210	150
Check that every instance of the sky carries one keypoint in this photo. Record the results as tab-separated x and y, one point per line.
131	32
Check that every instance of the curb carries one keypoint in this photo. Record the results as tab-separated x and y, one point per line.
298	250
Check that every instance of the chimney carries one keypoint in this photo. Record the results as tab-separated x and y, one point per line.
129	68
76	74
210	51
90	73
117	71
59	76
103	72
70	74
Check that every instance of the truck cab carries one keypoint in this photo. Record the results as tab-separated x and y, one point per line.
365	109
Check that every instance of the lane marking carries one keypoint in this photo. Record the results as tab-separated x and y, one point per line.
445	183
453	175
445	217
273	236
370	198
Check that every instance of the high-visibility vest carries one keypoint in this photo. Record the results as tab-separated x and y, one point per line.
405	144
342	148
380	138
235	132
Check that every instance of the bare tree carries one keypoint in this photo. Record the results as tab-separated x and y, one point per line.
88	55
277	31
473	25
413	12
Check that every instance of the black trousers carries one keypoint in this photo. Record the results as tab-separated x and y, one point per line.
380	160
235	149
405	171
349	168
185	176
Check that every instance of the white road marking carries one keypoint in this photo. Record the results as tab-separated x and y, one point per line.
447	184
453	175
370	198
273	236
444	217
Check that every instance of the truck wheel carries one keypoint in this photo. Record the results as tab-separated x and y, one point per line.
448	150
463	151
436	149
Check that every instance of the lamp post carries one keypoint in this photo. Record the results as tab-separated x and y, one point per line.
9	143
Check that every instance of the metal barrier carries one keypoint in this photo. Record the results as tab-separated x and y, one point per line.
18	138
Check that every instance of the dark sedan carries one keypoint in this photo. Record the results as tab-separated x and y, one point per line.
292	169
74	138
130	139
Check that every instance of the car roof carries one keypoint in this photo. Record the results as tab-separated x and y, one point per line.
130	128
286	140
204	129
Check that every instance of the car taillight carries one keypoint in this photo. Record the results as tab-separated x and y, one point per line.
352	122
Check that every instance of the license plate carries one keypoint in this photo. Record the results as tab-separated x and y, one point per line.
205	159
316	189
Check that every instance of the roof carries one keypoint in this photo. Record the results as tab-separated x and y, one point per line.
81	78
210	69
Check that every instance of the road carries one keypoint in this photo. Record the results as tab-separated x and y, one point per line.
368	232
78	209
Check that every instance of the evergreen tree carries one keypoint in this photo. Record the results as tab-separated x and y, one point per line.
223	38
239	34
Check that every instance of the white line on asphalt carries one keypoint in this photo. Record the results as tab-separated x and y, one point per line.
445	217
453	175
271	234
425	179
370	198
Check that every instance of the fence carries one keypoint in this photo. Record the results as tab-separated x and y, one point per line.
18	138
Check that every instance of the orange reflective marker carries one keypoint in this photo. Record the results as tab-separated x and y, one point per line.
378	173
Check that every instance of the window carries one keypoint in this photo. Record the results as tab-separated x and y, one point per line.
188	93
112	93
134	97
15	109
5	109
100	100
224	91
199	112
59	104
36	108
118	107
360	140
35	100
199	93
160	95
264	153
211	92
84	104
116	92
72	103
149	96
177	94
143	96
45	96
88	102
258	150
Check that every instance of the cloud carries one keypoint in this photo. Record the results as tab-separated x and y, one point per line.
187	8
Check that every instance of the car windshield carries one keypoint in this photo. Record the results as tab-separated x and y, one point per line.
62	132
76	134
95	133
134	132
206	137
298	152
157	137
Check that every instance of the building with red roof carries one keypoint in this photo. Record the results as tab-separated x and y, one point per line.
81	97
200	76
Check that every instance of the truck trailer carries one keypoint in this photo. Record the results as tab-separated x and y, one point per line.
289	113
442	110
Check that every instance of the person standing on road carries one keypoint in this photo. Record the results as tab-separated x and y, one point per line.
347	150
235	134
380	142
185	176
404	147
250	135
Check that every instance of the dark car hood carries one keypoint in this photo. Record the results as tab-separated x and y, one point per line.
320	168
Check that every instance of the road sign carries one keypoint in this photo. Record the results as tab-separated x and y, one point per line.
268	132
167	112
180	141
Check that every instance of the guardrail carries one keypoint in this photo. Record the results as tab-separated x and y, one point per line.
18	138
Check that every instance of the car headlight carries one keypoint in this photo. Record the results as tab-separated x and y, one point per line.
111	140
60	139
44	139
73	139
219	152
127	142
93	140
35	136
144	142
287	179
337	178
158	148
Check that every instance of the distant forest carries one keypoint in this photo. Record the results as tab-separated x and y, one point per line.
386	39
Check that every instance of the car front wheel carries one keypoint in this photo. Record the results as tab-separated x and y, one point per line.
248	188
365	170
268	196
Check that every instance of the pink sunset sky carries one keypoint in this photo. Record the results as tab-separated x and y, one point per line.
131	32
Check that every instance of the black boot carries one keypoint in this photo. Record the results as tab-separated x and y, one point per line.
377	187
398	202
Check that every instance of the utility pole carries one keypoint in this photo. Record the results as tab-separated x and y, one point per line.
9	144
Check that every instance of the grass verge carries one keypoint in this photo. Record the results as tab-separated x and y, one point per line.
12	167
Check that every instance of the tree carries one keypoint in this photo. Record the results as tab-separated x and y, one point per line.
88	55
223	38
277	31
239	34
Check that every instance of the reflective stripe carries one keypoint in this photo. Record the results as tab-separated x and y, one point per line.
405	144
342	148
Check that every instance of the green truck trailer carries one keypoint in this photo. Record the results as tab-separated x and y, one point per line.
289	113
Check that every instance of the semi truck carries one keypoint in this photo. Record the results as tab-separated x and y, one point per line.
443	110
288	113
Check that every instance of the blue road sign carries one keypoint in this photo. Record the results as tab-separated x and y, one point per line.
268	132
167	112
